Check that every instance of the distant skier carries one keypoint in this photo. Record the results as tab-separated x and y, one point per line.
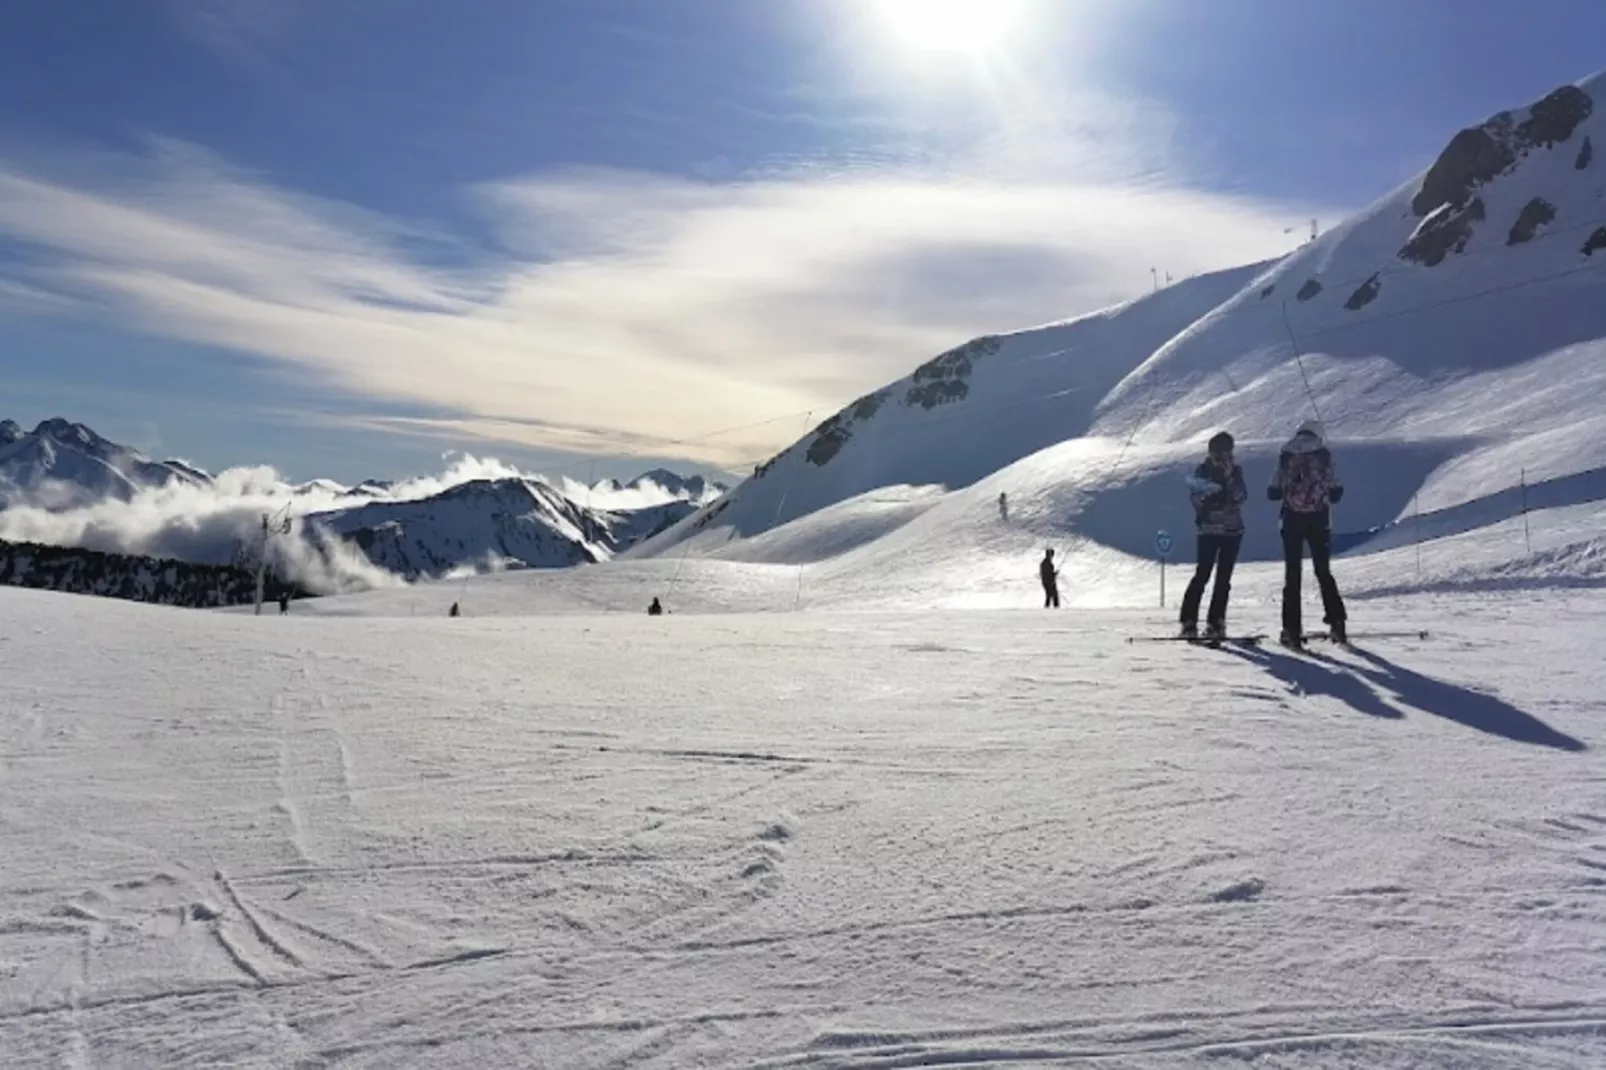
454	611
1218	492
1050	576
1003	507
284	604
656	609
1306	482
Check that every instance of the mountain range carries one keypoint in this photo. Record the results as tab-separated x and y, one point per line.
408	528
1450	338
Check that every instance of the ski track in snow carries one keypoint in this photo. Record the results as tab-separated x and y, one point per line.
806	840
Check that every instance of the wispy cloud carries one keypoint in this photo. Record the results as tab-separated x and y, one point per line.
619	312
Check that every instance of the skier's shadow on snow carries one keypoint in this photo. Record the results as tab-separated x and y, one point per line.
1358	686
1474	709
1313	678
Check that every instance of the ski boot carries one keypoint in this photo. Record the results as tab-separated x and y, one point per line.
1337	634
1189	632
1292	640
1214	633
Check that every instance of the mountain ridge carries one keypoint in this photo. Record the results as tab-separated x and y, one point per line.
1443	379
421	528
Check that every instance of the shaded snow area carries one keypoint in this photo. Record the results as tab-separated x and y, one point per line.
821	839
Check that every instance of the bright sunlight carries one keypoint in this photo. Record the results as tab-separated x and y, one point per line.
971	27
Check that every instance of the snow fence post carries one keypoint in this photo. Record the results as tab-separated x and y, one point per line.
1162	549
1527	535
1416	507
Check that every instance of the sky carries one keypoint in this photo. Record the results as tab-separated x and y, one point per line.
595	236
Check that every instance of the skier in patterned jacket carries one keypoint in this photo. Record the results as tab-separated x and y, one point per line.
1306	482
1218	493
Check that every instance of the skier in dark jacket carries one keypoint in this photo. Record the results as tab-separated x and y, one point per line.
656	608
1218	492
1306	482
1050	576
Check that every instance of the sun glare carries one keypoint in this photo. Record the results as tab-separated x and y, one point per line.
969	27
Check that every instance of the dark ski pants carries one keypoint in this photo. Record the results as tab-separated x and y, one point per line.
1218	554
1051	595
1296	536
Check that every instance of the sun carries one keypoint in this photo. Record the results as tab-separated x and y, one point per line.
968	27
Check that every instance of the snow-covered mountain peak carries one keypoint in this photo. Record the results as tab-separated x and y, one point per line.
1452	336
62	464
674	485
68	433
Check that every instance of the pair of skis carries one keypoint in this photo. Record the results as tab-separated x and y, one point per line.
1255	639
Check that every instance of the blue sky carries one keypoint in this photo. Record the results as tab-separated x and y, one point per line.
344	238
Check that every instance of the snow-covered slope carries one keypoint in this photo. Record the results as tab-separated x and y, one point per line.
964	414
1450	336
839	840
67	465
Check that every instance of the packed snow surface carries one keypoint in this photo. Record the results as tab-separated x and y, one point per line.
884	838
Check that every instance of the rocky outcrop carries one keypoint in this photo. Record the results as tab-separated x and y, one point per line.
1535	214
1474	156
1445	231
1554	119
1308	291
1478	154
942	379
1267	291
1595	242
1366	294
833	434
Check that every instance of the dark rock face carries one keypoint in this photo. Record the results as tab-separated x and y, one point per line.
942	380
1473	158
1480	153
1309	290
1555	118
1267	291
1366	294
1596	242
1535	214
1586	155
829	438
1443	232
833	434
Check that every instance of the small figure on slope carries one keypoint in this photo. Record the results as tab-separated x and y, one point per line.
1003	507
1218	492
1306	482
454	611
656	609
284	604
1050	576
